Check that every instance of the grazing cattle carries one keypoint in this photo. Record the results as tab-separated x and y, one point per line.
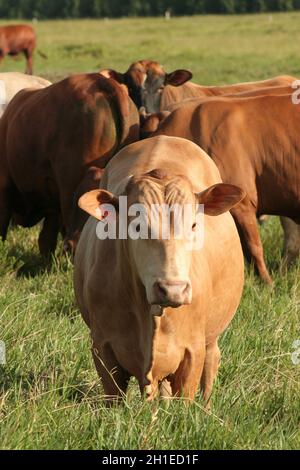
155	308
12	82
49	140
255	144
16	39
154	89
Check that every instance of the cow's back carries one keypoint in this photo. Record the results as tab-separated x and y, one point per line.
50	137
261	130
60	129
192	90
13	82
133	161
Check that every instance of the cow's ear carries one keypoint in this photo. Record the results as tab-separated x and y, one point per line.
98	203
178	77
110	73
220	198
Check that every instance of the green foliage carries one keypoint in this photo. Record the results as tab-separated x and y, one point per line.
117	8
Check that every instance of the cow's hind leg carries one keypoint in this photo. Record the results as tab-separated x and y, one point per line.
48	235
29	61
245	218
211	366
5	211
291	232
114	378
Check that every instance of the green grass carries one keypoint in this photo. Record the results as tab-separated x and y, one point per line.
50	396
218	49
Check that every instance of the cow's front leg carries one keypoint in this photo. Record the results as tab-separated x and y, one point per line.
245	218
74	215
114	378
186	379
210	369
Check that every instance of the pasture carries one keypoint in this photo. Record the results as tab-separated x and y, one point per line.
50	396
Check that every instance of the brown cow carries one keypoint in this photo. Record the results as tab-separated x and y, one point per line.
154	89
49	139
151	122
155	307
255	144
16	39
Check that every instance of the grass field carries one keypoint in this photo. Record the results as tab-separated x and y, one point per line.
50	396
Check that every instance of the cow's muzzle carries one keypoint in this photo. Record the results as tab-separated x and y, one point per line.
172	293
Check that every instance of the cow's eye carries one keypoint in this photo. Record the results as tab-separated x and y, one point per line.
194	226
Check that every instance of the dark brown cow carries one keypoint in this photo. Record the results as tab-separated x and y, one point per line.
255	144
52	144
16	39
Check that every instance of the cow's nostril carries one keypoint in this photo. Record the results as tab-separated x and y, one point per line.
173	293
161	289
186	288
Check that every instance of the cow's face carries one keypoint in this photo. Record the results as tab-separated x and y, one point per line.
159	243
161	254
146	81
154	84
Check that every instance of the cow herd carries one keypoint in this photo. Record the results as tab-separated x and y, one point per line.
78	147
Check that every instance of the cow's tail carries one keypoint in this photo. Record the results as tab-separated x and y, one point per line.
41	54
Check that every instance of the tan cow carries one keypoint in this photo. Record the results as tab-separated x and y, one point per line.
153	88
255	144
155	308
12	82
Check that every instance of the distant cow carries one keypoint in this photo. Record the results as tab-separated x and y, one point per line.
53	144
154	89
255	144
12	82
16	39
154	307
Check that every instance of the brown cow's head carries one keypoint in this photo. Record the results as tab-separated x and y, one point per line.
158	243
146	80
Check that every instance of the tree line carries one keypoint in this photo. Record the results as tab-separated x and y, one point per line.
47	9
